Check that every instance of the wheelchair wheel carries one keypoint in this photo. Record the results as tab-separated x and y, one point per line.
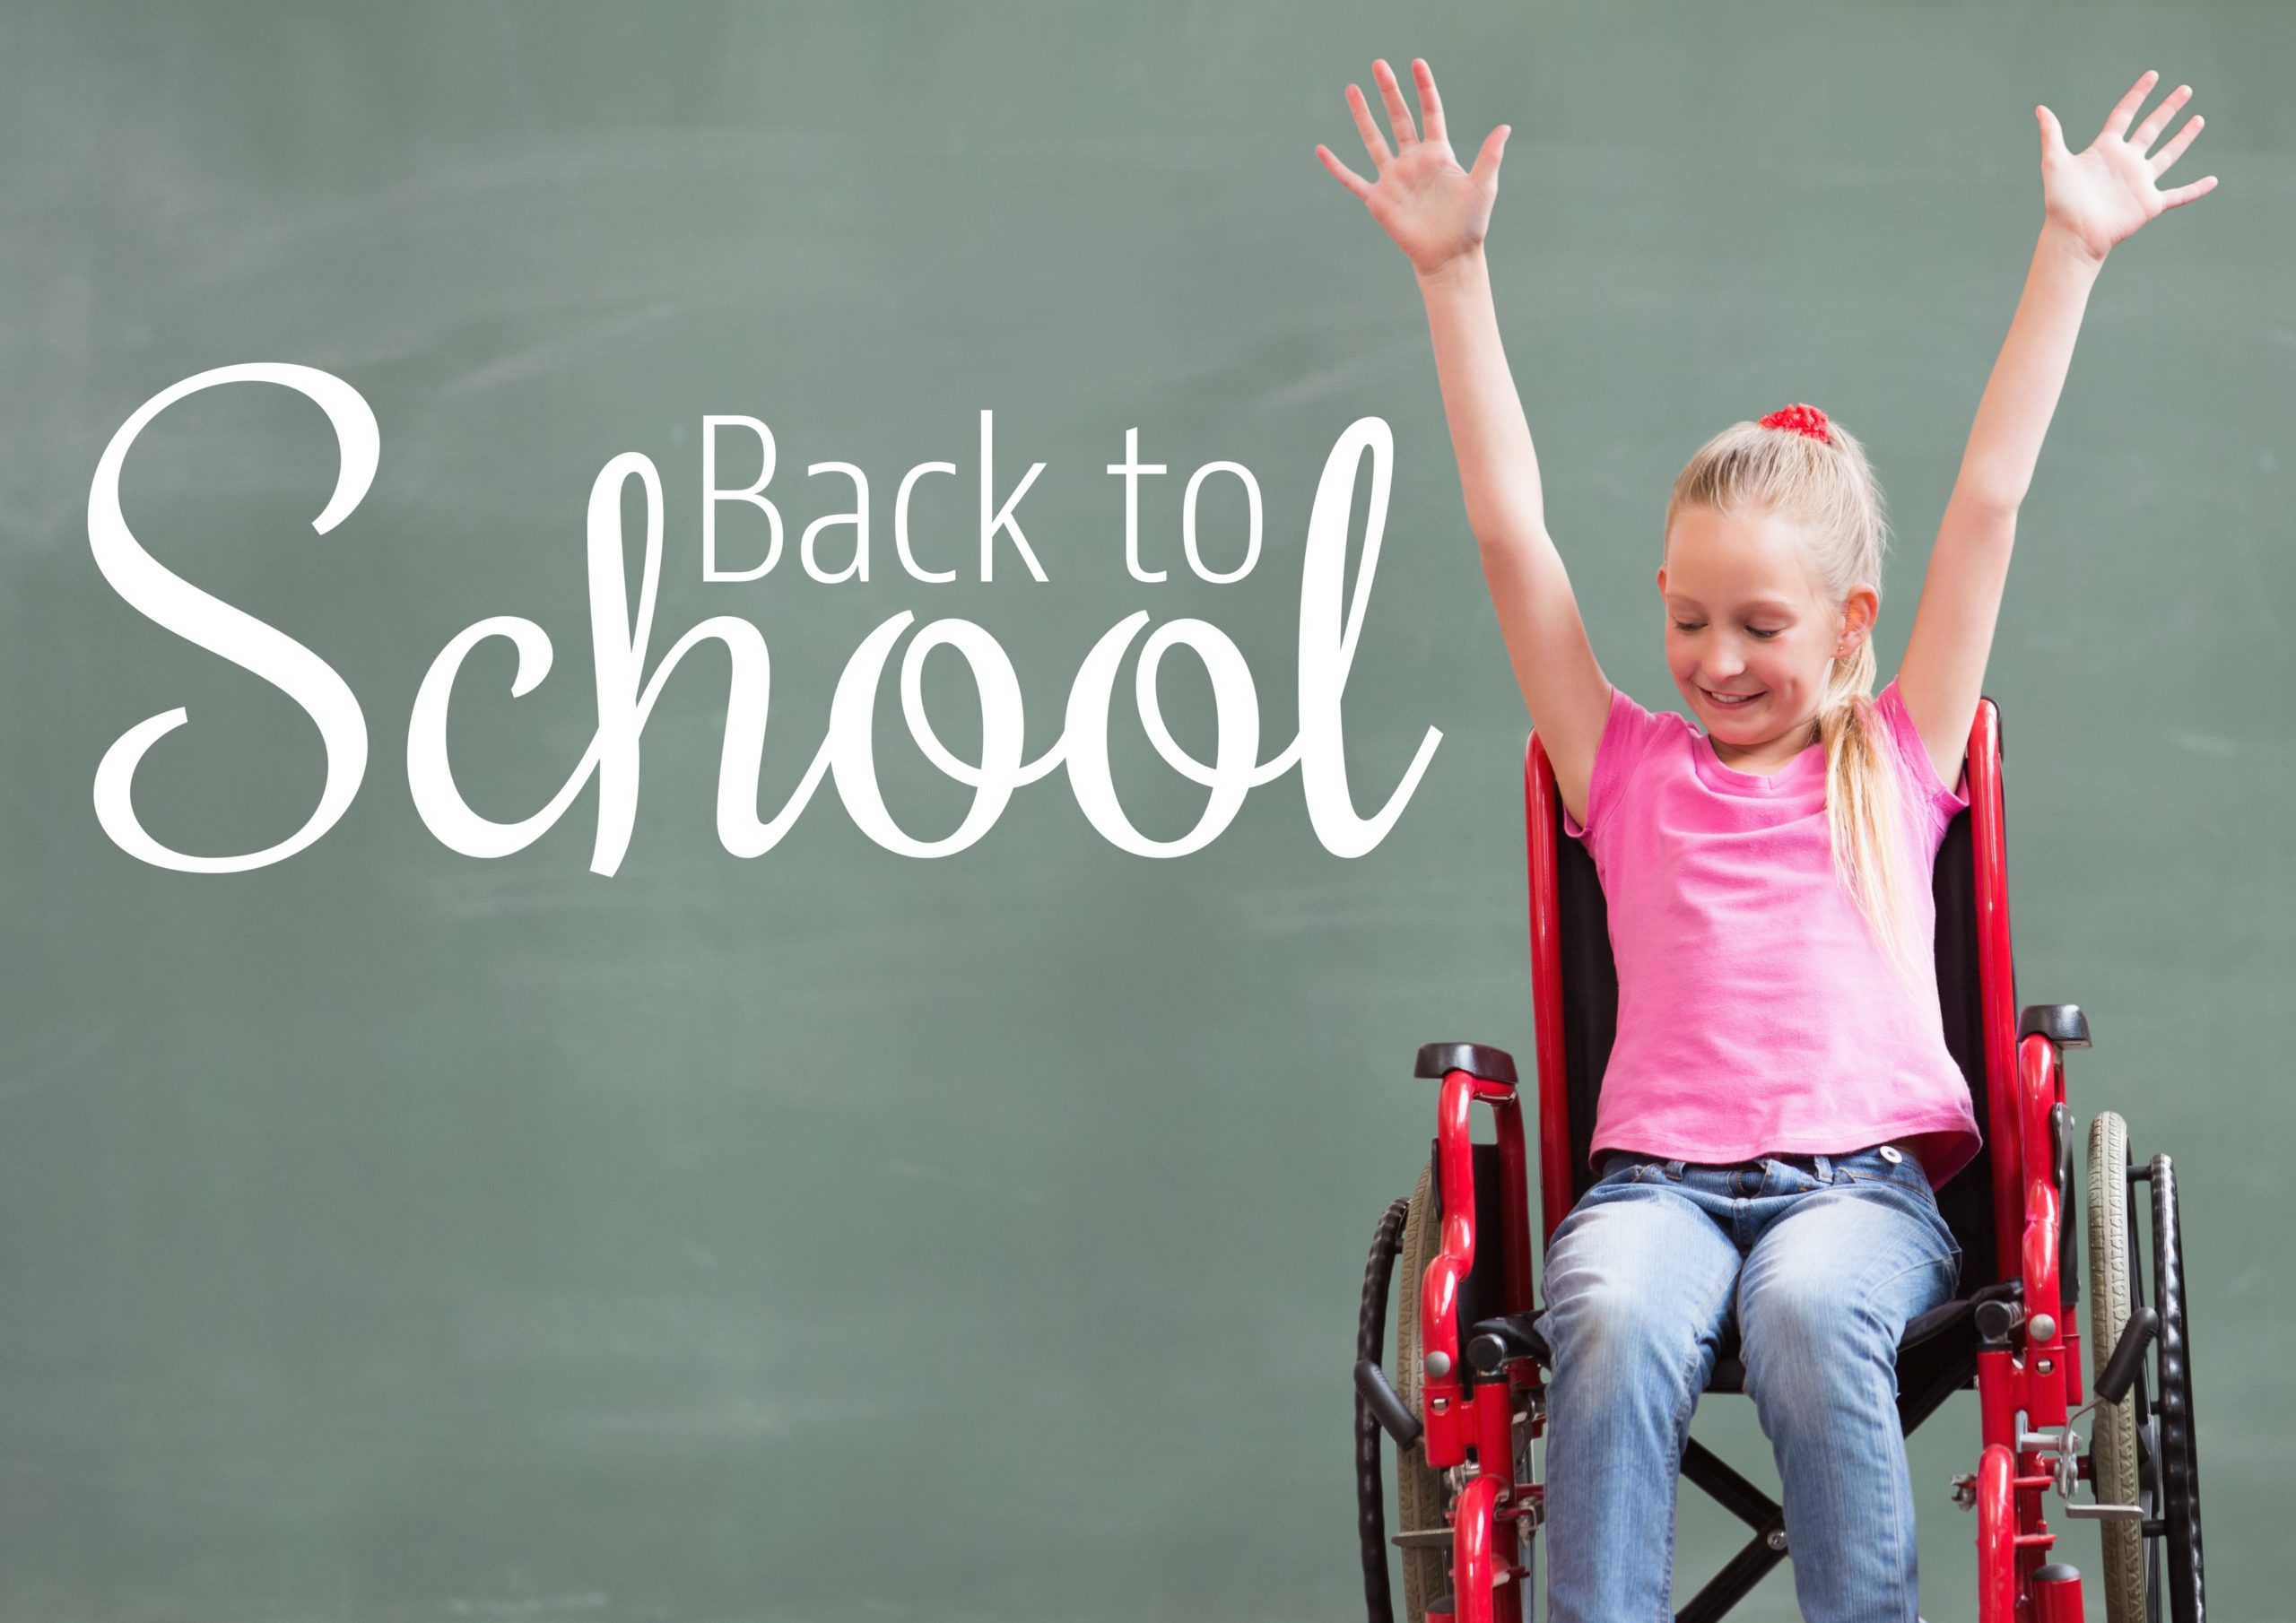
1419	1487
2121	1442
2142	1454
2179	1478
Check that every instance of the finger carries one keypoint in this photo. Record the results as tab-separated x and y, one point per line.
1374	143
1346	177
1430	105
2052	134
1494	148
1399	115
2157	120
2126	107
2175	150
2185	194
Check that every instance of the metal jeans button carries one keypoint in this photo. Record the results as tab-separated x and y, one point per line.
1891	1154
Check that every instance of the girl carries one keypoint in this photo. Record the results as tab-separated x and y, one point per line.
1780	1104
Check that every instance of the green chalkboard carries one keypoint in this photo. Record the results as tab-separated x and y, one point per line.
394	1234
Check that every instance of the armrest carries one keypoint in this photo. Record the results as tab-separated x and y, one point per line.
2063	1024
1491	1064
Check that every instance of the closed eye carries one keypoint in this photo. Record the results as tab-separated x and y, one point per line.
1699	626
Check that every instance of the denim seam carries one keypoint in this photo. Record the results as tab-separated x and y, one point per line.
1904	1519
1686	1384
1682	1438
1901	1513
1907	1525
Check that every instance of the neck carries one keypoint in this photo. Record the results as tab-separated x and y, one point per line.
1741	757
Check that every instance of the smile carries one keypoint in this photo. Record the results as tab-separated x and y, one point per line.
1729	701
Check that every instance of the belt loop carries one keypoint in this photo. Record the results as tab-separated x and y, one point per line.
1674	1170
1825	1168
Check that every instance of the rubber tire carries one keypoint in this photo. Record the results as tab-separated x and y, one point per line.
2179	1476
1419	1487
2113	1458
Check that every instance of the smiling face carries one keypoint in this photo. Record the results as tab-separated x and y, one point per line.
1750	640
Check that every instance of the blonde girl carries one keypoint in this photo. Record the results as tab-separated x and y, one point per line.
1779	1105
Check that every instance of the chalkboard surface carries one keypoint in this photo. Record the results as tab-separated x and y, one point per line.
391	1233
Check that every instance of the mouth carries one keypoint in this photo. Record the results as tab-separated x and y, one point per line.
1729	701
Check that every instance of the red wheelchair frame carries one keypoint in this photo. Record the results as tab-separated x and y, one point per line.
1475	1359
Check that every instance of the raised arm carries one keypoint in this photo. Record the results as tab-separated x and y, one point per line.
1437	214
2091	201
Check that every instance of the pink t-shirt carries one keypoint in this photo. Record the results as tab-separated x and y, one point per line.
1756	1015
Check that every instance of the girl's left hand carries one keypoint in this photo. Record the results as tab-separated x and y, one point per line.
2102	194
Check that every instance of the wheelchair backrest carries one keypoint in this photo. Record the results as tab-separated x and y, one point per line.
1580	918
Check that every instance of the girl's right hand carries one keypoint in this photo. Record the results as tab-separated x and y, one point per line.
1434	210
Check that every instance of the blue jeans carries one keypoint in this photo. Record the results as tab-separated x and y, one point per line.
1823	1260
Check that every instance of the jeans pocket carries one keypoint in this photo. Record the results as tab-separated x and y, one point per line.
1871	1166
1906	1175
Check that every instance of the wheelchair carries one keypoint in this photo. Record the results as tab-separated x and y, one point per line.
1464	1403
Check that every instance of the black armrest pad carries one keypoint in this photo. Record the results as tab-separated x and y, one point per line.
1492	1064
2063	1024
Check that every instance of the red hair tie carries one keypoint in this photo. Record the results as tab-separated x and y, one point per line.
1800	419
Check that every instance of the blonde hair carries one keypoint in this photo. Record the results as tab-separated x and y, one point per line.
1829	488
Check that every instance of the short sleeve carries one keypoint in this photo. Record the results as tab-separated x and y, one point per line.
1627	734
1919	769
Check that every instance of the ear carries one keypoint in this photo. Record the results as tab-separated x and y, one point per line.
1859	611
